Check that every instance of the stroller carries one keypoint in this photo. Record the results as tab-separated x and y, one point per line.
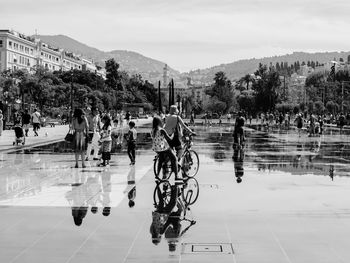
20	138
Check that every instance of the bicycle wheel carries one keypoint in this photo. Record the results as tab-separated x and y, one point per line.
190	163
190	192
162	191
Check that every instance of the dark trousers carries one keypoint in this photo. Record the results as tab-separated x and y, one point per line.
132	151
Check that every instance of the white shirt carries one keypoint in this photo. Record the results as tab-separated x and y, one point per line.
36	117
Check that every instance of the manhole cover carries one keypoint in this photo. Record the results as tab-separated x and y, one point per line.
212	186
197	248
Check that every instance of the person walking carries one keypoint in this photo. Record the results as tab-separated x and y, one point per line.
299	121
26	121
131	140
80	127
94	135
106	140
36	122
128	117
1	122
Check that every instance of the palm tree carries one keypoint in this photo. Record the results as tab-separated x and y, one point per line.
248	79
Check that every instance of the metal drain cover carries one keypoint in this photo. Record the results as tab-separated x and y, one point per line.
213	186
197	248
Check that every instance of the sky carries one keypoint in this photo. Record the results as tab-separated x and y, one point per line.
188	34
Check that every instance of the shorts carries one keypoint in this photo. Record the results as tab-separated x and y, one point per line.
36	126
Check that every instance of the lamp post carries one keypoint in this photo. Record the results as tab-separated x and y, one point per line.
71	95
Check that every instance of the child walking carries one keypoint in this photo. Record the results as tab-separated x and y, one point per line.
106	140
131	139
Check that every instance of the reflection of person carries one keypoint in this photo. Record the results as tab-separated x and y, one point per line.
238	158
107	189
77	198
162	213
131	189
80	128
331	172
94	186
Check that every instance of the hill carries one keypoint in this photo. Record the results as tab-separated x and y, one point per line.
240	68
152	69
130	61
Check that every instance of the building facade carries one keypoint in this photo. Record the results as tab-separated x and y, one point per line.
18	51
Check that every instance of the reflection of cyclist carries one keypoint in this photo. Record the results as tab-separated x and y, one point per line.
238	158
163	212
238	133
161	146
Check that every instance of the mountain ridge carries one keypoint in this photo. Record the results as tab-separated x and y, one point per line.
152	69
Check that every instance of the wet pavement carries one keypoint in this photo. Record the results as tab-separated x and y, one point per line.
291	205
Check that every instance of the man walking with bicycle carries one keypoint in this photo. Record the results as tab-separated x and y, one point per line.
174	126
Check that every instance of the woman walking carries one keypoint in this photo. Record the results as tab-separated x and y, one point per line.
80	127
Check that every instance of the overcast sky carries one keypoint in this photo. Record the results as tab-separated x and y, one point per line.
189	34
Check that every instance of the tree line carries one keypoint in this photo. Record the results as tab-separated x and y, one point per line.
52	92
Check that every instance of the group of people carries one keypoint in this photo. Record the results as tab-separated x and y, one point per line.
94	132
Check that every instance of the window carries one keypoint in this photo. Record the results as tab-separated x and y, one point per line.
15	46
27	50
42	53
57	59
10	44
21	48
0	43
31	51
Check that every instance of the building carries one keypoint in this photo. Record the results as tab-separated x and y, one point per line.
17	51
48	57
70	61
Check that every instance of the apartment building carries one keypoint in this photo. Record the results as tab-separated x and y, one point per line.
18	51
48	57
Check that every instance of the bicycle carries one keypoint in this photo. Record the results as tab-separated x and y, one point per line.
188	192
188	165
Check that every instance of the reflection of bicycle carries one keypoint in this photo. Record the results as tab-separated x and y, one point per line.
188	193
188	165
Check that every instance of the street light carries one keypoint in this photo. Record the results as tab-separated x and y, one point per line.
71	94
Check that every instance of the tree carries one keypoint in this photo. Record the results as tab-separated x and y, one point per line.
265	88
113	78
221	91
246	101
